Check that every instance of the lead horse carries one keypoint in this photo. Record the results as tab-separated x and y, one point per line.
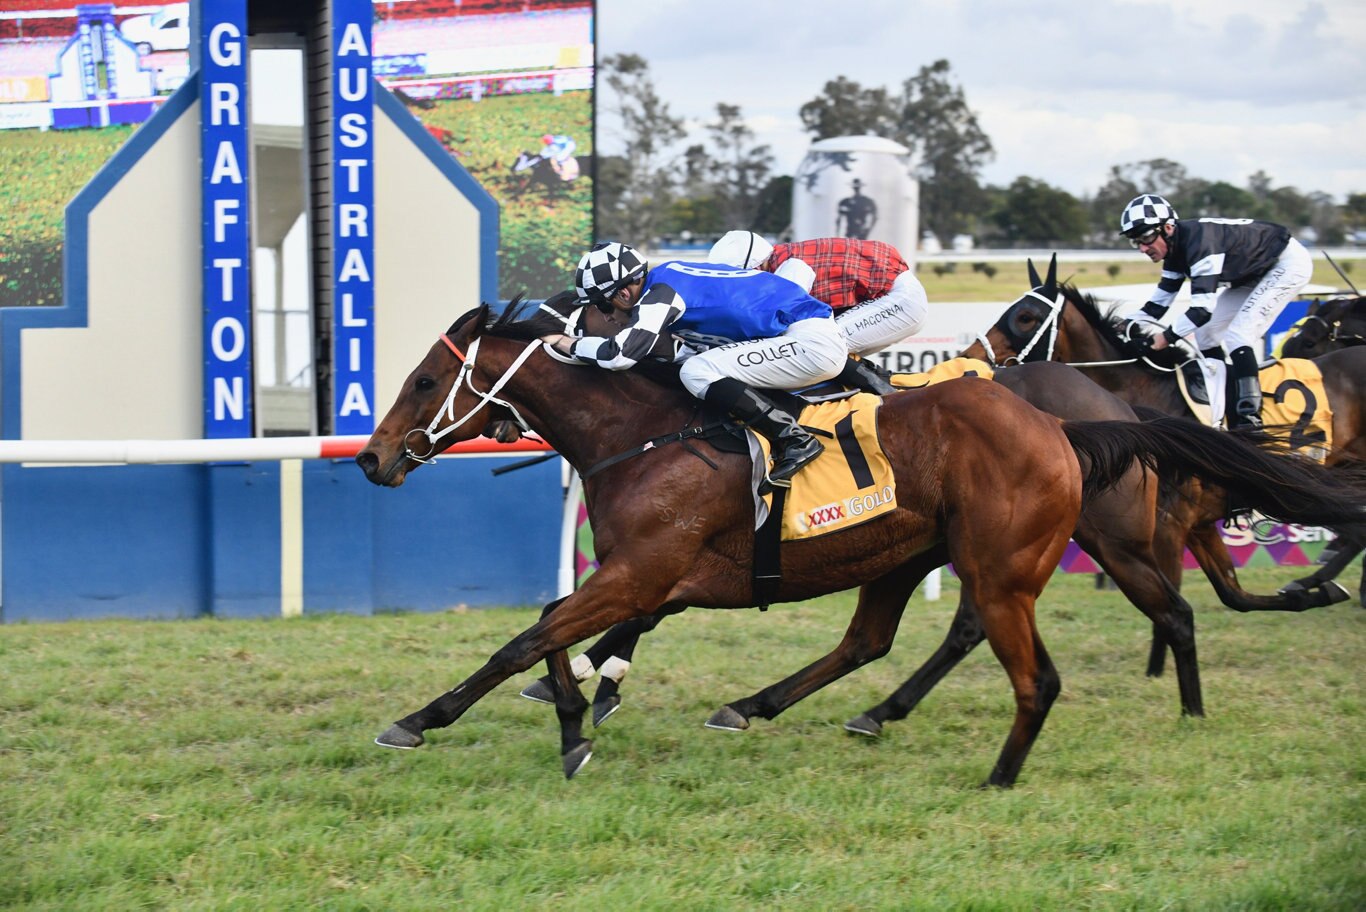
674	526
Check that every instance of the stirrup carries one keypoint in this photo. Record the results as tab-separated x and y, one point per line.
793	459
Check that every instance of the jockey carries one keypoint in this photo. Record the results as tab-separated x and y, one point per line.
559	151
1259	264
742	328
876	297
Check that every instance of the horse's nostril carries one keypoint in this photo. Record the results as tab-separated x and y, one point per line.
367	461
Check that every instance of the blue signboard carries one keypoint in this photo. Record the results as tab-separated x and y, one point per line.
353	200
227	229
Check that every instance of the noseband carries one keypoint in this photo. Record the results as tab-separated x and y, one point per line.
447	410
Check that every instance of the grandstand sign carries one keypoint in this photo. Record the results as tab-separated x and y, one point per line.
353	337
227	229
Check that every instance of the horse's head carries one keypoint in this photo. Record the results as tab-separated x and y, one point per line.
1312	336
1028	330
1054	321
405	438
456	392
1329	325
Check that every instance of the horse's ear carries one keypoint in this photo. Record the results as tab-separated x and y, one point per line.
1050	285
1034	280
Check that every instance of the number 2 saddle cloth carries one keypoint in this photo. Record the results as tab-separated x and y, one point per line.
1294	403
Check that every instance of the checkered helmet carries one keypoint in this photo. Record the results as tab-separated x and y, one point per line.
1144	213
605	270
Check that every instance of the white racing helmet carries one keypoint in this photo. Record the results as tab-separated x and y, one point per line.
795	270
744	249
605	270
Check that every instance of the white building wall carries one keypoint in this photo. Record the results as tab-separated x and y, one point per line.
136	369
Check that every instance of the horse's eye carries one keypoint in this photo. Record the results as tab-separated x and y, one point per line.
425	383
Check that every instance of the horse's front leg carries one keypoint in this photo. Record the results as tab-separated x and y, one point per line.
611	656
609	597
607	699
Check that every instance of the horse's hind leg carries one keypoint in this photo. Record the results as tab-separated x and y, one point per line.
1008	620
964	634
868	637
1134	569
1001	584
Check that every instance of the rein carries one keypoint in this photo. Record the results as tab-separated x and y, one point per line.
466	376
702	431
1050	327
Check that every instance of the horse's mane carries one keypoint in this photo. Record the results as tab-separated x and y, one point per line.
527	320
1110	326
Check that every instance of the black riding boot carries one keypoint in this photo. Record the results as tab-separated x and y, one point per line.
862	375
1247	402
793	446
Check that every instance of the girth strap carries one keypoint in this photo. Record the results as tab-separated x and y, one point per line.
767	567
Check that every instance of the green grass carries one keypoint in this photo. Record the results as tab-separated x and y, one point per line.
1011	280
228	765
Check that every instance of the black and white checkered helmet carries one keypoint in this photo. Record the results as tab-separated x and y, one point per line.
605	270
1144	213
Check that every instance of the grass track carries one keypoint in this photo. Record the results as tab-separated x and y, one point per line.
228	765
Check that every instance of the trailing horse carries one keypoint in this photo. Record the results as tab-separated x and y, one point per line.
1056	321
674	526
1331	324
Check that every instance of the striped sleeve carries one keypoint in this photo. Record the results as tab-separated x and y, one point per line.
658	309
1167	287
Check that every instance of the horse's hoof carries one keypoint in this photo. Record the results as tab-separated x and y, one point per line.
727	719
1335	592
864	725
1289	588
576	757
539	691
603	709
400	738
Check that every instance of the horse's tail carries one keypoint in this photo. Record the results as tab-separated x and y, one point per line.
1251	466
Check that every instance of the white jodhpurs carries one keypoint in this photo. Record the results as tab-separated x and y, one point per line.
809	352
874	325
1243	315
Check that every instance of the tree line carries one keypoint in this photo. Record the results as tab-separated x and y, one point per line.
662	187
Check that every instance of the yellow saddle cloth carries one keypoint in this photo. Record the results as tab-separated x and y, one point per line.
944	370
848	484
1294	403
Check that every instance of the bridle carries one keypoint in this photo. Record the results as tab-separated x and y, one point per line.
1048	334
1334	330
447	410
1048	328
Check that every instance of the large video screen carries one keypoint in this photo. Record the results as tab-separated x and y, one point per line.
507	87
75	81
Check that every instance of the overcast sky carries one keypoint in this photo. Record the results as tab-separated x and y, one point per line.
1064	88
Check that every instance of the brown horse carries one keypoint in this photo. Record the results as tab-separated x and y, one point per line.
1117	529
1054	320
674	526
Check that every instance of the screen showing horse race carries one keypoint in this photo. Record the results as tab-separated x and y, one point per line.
75	82
506	86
